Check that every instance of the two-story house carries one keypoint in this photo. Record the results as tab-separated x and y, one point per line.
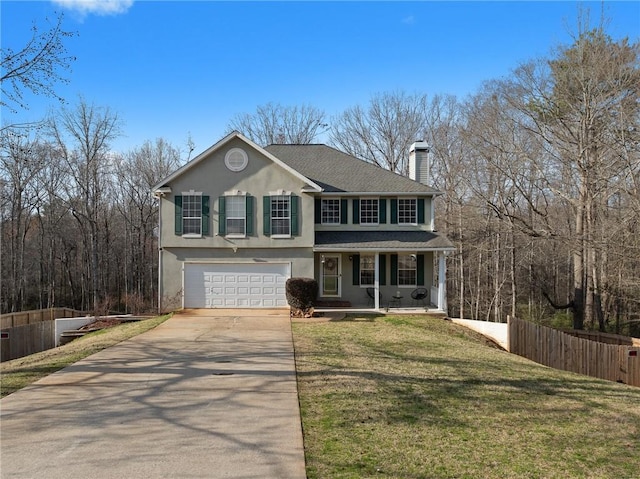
239	219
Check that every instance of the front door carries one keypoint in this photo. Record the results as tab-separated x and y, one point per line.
331	274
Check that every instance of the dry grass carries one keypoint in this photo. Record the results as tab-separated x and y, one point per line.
18	373
425	398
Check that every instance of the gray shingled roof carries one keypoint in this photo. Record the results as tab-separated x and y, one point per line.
336	171
382	240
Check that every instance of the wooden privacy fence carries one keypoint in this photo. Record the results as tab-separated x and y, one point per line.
561	350
29	332
12	320
28	339
605	337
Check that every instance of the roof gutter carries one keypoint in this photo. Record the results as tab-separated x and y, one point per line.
381	193
338	249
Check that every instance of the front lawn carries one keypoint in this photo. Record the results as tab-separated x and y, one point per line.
416	397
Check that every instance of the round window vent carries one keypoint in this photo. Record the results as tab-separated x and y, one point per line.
236	159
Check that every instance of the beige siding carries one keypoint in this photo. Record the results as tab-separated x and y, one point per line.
173	260
212	178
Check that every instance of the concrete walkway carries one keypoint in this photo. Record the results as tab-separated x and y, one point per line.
495	331
209	394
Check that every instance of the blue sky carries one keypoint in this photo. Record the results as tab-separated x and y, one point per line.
174	69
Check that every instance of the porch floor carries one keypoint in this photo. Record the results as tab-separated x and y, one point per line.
386	311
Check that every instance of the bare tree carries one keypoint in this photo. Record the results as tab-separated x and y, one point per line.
383	132
20	162
275	123
555	147
56	234
137	172
82	137
36	67
444	124
583	108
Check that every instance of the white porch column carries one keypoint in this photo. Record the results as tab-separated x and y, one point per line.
442	282
376	282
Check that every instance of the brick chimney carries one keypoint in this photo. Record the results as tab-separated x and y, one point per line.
419	168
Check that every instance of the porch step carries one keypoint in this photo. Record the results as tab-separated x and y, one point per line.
332	304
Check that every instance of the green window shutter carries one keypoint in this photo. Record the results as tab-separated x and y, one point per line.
205	215
295	226
394	269
178	225
266	215
382	211
249	213
222	216
317	211
344	219
394	211
356	269
356	211
420	211
382	263
420	272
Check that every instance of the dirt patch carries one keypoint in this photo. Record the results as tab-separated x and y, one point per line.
103	324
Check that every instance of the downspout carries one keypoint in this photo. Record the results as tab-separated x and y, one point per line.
159	256
159	196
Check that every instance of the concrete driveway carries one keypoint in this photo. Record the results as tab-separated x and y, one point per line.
207	394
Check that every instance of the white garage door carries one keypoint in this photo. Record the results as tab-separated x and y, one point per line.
252	285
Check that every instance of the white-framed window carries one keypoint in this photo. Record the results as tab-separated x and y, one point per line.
367	269
369	209
236	216
330	212
191	215
281	215
407	211
407	269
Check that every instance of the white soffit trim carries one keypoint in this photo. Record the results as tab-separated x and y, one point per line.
165	190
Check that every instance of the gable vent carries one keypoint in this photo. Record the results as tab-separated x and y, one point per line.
236	159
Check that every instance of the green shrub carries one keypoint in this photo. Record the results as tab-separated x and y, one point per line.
301	293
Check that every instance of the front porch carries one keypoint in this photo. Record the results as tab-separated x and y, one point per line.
373	281
382	269
338	313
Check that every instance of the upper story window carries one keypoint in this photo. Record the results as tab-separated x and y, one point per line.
236	212
280	211
280	215
191	214
330	212
369	210
407	269
407	211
